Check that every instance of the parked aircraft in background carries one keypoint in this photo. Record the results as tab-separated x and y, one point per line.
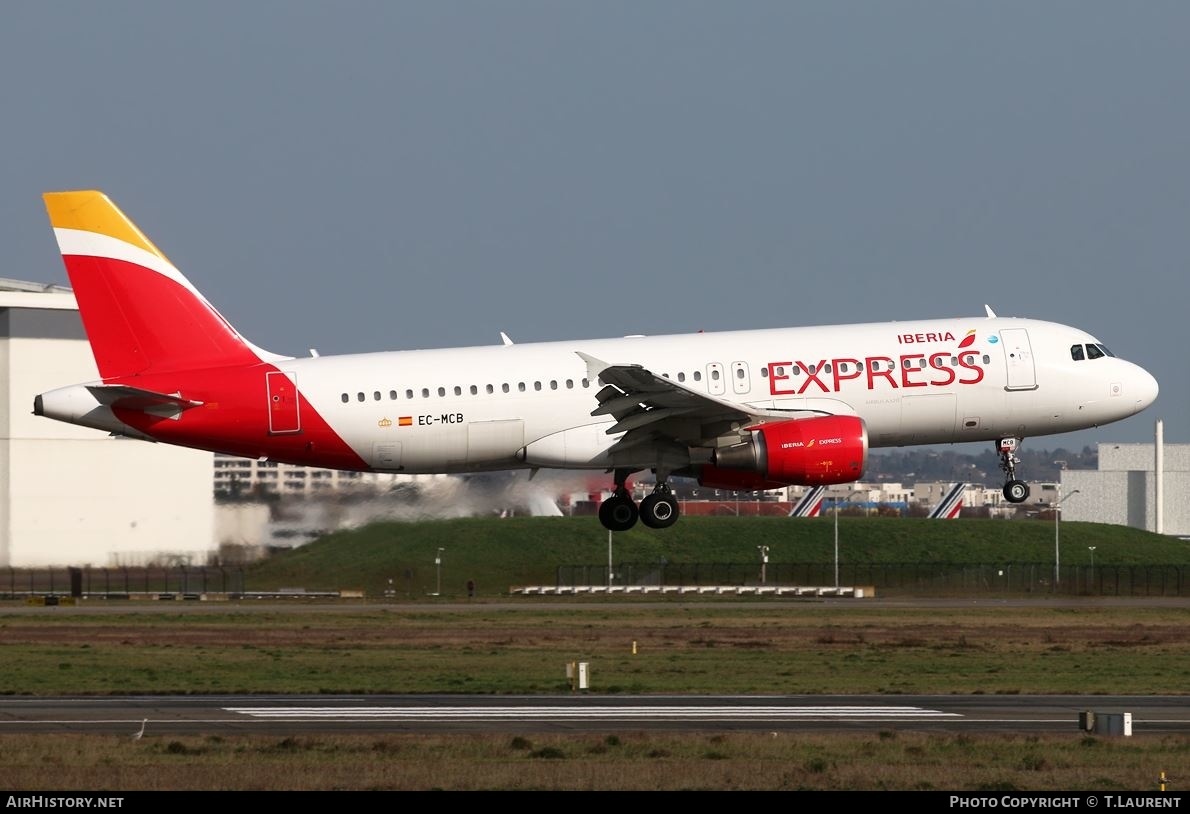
756	409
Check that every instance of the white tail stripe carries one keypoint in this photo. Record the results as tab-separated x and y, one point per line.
92	244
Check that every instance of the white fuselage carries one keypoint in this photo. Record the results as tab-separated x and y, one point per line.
502	406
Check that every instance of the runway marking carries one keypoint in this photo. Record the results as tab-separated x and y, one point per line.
676	713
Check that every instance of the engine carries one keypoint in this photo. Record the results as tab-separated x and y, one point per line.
807	452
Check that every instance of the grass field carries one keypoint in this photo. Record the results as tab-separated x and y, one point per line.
625	761
791	647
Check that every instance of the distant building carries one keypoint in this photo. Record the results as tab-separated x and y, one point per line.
1123	489
71	495
247	478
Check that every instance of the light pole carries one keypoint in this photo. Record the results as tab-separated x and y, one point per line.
438	568
853	494
1057	507
609	558
764	561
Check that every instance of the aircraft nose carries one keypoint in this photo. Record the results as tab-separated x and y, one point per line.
1144	388
1140	389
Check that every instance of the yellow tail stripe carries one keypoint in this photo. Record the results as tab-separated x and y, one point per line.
92	211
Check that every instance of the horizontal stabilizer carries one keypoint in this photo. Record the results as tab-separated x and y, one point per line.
146	401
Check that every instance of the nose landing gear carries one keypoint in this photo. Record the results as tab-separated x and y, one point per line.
1015	490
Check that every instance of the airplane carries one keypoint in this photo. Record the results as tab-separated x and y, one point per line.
743	410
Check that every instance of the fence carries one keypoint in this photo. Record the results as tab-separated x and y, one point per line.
901	578
123	582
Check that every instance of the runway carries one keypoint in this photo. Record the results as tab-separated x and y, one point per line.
304	714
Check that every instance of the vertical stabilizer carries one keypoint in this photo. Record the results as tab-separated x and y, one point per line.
140	313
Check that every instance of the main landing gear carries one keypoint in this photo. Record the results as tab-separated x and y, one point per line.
658	510
1015	490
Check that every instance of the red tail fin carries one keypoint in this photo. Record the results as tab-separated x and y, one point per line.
140	313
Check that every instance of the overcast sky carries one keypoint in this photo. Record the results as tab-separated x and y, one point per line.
391	175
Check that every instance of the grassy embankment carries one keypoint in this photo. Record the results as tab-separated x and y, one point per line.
497	554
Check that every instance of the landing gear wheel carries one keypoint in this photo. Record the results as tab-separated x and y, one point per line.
618	513
659	510
1016	491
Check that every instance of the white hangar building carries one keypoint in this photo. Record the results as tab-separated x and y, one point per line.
1133	486
76	496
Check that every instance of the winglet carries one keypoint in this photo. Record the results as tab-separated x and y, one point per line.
594	366
504	338
991	313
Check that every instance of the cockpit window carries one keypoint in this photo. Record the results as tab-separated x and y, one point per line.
1105	350
1094	352
1076	352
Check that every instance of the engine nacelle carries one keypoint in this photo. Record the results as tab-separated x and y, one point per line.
806	452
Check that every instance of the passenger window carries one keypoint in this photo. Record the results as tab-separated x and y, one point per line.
346	398
842	367
764	372
474	390
859	366
425	392
813	369
1076	352
1093	352
520	386
392	395
570	384
553	384
376	395
698	375
739	373
504	387
490	389
360	397
715	375
586	383
987	360
537	385
681	377
441	392
408	394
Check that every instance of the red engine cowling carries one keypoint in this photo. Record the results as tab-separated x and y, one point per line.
807	452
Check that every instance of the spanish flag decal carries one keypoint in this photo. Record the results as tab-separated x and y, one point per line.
405	421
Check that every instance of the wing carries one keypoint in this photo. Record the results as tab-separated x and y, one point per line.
668	420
